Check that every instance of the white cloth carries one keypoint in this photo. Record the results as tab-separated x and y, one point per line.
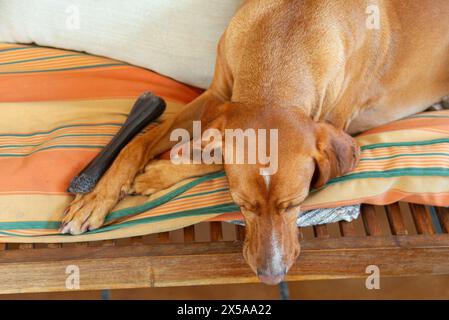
176	38
322	216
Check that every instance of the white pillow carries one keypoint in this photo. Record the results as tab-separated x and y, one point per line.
177	38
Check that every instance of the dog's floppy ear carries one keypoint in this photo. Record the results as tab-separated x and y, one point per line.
337	154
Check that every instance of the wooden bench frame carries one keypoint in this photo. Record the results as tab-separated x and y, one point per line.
29	268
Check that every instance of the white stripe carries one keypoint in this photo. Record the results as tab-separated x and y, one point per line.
276	259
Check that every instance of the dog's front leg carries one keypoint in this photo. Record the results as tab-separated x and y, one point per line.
87	212
162	174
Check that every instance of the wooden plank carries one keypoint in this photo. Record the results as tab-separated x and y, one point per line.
163	237
224	247
300	234
240	233
347	229
162	265
189	234
395	219
23	246
443	217
422	219
108	243
81	244
372	225
54	245
320	231
136	240
2	246
216	233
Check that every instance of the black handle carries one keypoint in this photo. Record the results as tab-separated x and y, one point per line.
146	109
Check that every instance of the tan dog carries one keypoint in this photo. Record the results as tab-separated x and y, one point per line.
311	69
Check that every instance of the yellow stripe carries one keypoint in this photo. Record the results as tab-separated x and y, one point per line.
29	117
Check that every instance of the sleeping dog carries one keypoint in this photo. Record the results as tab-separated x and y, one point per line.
317	72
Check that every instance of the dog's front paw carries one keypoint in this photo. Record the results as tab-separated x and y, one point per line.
86	212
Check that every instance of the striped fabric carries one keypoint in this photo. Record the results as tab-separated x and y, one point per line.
59	108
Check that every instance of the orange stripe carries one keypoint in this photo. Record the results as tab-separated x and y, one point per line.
390	151
414	123
48	171
67	62
164	209
13	56
104	129
388	197
410	164
117	82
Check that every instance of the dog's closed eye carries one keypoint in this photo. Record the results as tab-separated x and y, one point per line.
292	210
292	204
244	204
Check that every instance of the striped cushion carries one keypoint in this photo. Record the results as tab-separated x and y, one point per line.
59	108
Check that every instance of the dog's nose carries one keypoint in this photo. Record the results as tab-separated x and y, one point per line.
270	278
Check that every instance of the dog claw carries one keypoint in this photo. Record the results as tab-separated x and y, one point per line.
85	213
85	227
65	228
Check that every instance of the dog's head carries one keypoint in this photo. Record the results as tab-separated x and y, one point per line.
307	155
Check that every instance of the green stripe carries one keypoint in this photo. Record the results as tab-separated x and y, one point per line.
218	209
427	116
24	225
16	235
68	69
163	199
55	138
123	212
59	128
406	155
42	58
17	48
203	193
54	225
52	147
436	171
404	144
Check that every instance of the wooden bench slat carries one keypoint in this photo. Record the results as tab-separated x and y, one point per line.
240	232
81	244
216	233
443	217
347	229
300	234
108	243
189	234
162	265
395	219
23	246
54	245
136	240
422	219
320	231
372	225
163	237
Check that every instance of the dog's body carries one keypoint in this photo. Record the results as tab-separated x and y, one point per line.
293	65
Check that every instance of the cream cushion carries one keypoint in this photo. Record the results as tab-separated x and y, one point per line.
176	38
